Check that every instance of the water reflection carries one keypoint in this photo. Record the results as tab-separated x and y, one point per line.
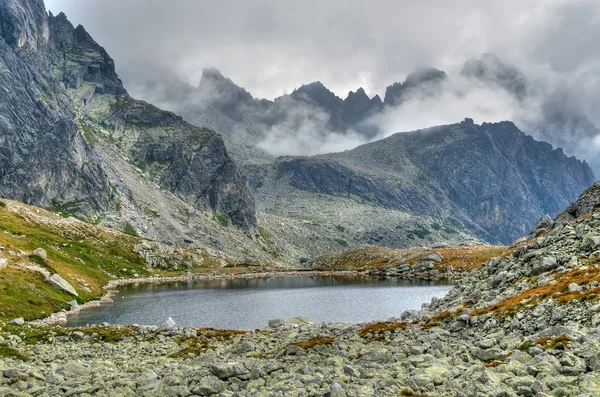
250	303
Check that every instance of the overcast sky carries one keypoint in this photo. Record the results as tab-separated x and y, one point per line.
271	47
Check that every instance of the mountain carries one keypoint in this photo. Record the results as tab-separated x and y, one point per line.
359	107
491	179
74	141
561	120
422	82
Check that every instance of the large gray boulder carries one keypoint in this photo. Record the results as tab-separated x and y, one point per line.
41	253
60	283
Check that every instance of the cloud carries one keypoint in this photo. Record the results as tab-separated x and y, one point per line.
304	130
271	47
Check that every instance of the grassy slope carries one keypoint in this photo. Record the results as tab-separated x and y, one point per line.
85	255
463	259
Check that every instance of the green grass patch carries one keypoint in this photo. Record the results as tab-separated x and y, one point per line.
202	341
88	133
341	242
222	219
419	232
26	294
129	229
66	207
121	104
32	335
40	261
9	352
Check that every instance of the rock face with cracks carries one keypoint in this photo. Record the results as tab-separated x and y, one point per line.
66	109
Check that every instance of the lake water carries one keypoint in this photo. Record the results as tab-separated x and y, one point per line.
251	303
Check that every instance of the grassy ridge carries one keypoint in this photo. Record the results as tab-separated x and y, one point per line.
85	255
461	258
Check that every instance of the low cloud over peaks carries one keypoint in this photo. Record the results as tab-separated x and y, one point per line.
543	76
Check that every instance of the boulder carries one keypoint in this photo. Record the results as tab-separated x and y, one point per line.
17	321
591	243
544	265
41	253
74	305
337	390
432	257
276	323
542	225
229	370
60	283
168	325
244	347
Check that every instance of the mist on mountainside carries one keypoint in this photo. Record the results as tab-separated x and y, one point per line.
544	78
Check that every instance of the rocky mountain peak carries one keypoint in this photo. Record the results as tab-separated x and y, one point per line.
24	23
358	107
83	59
425	75
222	89
424	82
358	97
318	94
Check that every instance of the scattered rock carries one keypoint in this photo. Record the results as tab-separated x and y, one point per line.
229	370
432	257
336	390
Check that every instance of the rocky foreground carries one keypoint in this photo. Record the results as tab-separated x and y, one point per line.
523	324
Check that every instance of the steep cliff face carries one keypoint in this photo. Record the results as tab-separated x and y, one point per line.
24	23
43	158
492	178
63	102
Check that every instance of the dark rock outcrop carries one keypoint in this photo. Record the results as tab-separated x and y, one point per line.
588	202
